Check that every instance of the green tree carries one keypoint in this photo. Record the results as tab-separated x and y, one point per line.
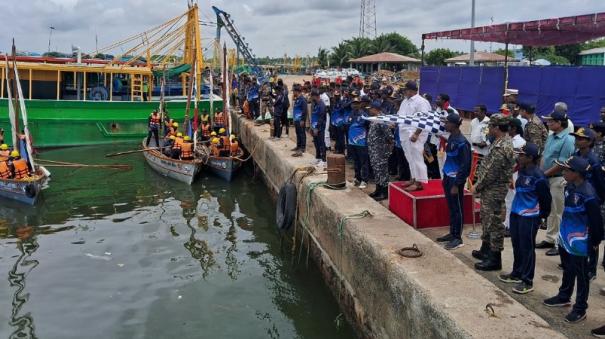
340	55
503	52
359	47
382	44
533	53
597	43
322	57
554	59
438	56
400	44
569	52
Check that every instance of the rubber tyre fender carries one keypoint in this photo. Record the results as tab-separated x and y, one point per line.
30	191
286	207
98	94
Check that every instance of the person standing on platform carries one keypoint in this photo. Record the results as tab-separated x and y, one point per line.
299	114
326	100
479	131
493	178
279	105
560	145
358	144
534	130
456	170
581	229
530	206
337	121
318	121
413	139
380	145
253	97
153	123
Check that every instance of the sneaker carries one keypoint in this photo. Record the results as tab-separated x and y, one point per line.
363	185
523	288
446	238
356	182
295	149
556	301
509	279
454	244
592	276
598	332
297	154
552	252
575	317
315	162
544	244
321	164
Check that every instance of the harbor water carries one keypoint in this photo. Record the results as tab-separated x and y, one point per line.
131	254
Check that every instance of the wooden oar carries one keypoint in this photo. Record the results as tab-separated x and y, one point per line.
130	152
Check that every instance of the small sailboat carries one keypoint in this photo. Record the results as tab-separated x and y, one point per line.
26	190
225	166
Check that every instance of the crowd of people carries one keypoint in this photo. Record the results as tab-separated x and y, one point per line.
529	173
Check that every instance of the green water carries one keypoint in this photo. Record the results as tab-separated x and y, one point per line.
130	254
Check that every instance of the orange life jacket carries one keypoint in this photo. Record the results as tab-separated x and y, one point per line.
234	147
21	169
219	119
215	150
5	171
205	130
154	120
187	150
178	143
225	140
5	153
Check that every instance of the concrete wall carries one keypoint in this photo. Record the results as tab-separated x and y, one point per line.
382	294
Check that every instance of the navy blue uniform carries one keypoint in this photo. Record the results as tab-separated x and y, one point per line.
358	144
338	121
532	203
581	228
299	115
318	125
455	172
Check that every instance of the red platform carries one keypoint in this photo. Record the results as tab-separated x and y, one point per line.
428	207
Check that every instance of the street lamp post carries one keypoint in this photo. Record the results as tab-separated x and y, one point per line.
51	28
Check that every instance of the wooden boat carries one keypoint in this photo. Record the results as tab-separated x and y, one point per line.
225	167
181	170
26	191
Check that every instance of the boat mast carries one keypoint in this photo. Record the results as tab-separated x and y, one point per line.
224	92
11	104
28	145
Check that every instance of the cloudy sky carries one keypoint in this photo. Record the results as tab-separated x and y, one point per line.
272	27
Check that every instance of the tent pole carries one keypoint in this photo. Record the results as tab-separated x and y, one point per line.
422	52
505	66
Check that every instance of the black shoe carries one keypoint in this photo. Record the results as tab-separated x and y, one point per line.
509	278
506	233
592	276
454	244
446	238
294	149
523	288
544	244
575	317
556	301
492	263
383	194
481	254
375	193
598	332
552	252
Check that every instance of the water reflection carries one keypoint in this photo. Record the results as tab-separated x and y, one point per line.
23	324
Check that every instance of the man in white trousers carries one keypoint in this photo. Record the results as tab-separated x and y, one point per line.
326	99
412	138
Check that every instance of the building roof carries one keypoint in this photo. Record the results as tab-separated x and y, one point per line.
479	57
388	58
545	32
593	51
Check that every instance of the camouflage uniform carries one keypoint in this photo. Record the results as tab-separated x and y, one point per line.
380	145
493	178
535	132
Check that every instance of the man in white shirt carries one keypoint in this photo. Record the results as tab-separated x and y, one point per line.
516	134
326	100
479	143
413	139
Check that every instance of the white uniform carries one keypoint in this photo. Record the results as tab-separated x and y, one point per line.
326	99
518	142
479	134
414	150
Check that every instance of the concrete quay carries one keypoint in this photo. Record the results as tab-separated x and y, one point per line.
382	294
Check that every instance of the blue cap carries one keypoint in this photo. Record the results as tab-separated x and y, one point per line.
376	104
586	133
576	164
530	149
453	118
556	115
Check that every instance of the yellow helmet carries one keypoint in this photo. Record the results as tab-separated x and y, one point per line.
205	117
4	147
179	134
172	137
213	133
232	137
215	140
15	154
175	124
222	130
186	138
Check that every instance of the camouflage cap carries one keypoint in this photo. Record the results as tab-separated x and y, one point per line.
499	120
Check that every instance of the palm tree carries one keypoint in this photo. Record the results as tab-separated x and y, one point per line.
322	57
382	44
360	47
340	54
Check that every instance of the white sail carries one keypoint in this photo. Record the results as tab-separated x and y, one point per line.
11	108
28	143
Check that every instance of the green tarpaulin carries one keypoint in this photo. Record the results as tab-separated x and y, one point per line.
170	72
